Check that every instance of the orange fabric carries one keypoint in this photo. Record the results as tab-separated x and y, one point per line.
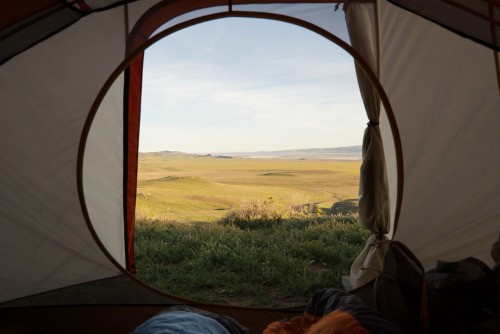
297	325
336	322
134	112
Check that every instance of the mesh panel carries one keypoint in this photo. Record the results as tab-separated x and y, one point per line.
478	20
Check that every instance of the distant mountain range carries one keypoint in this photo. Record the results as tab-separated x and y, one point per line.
305	152
349	152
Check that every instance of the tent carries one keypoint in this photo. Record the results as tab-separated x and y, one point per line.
70	90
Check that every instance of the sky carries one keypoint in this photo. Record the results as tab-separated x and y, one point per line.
246	85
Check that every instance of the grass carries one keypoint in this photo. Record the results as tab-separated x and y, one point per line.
249	232
261	265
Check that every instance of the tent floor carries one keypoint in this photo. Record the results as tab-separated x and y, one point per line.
110	319
113	305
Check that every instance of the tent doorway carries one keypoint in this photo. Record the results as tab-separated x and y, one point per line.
214	95
133	66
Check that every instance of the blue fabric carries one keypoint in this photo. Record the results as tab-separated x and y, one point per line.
180	322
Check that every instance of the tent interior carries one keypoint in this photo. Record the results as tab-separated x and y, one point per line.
70	86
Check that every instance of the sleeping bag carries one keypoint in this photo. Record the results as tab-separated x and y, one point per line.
332	311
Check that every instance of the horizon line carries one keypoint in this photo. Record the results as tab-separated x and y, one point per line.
257	151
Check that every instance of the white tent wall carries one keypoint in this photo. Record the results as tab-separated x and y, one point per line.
46	95
103	172
444	92
391	166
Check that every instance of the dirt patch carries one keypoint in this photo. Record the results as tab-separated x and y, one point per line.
318	267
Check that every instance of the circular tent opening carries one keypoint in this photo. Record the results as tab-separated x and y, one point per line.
107	111
243	124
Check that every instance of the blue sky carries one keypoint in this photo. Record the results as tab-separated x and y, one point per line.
239	85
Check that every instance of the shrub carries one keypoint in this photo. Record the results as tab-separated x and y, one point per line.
255	214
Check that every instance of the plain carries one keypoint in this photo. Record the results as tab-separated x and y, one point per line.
192	241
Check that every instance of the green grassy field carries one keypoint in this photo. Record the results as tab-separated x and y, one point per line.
263	266
249	232
193	189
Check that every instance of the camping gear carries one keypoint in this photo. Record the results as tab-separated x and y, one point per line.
336	312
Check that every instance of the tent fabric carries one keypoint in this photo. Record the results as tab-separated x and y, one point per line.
23	25
369	262
441	122
133	90
44	108
68	126
104	150
476	19
373	193
374	211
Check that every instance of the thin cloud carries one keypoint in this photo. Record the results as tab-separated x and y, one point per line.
291	96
